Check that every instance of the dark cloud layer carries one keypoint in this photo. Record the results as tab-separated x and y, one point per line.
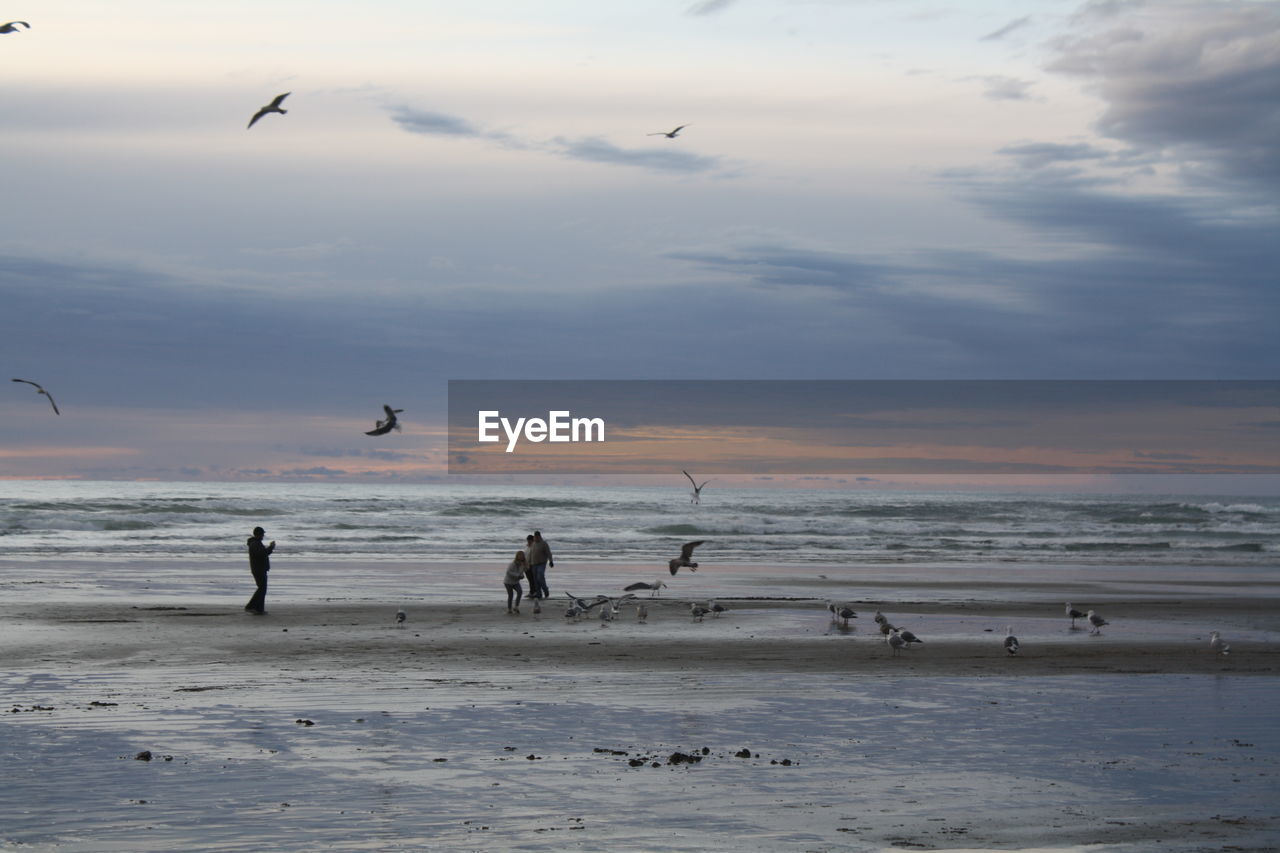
1196	80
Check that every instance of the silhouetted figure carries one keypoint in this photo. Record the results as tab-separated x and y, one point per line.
539	558
259	565
273	107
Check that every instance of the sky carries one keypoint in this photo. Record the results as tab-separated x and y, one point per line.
865	189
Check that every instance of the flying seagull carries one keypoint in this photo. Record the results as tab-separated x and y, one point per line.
386	426
696	495
669	134
1010	641
1097	622
273	107
1073	614
11	28
40	390
685	558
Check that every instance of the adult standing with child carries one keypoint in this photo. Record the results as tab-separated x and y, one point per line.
539	558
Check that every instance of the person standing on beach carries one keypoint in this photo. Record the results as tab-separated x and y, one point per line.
528	548
515	571
259	565
539	558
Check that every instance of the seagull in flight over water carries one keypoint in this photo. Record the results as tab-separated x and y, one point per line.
40	390
385	426
685	558
10	28
696	495
669	134
273	107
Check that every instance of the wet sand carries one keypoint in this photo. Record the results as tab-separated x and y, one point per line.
324	725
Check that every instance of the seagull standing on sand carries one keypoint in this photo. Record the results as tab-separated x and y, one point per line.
686	557
1097	622
698	611
716	608
880	618
400	616
1217	644
385	426
842	613
1073	614
895	641
10	28
669	134
652	587
273	107
642	613
886	628
695	497
909	638
40	390
1010	641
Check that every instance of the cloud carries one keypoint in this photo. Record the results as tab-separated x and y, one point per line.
1002	88
1195	81
1036	155
433	124
596	150
709	7
1016	24
590	149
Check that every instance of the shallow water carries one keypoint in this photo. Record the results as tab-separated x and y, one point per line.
440	760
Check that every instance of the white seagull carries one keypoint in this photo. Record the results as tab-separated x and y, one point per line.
11	28
695	497
669	134
895	641
652	587
273	107
1010	641
686	557
1217	644
40	390
385	426
1097	622
400	616
1073	614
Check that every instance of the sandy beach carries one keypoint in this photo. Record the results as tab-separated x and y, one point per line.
324	725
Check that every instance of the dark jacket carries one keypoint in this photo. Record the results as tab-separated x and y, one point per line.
259	555
539	552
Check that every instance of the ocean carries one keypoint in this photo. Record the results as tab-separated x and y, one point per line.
336	522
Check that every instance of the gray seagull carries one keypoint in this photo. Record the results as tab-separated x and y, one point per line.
273	107
385	426
696	495
40	390
669	134
686	557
